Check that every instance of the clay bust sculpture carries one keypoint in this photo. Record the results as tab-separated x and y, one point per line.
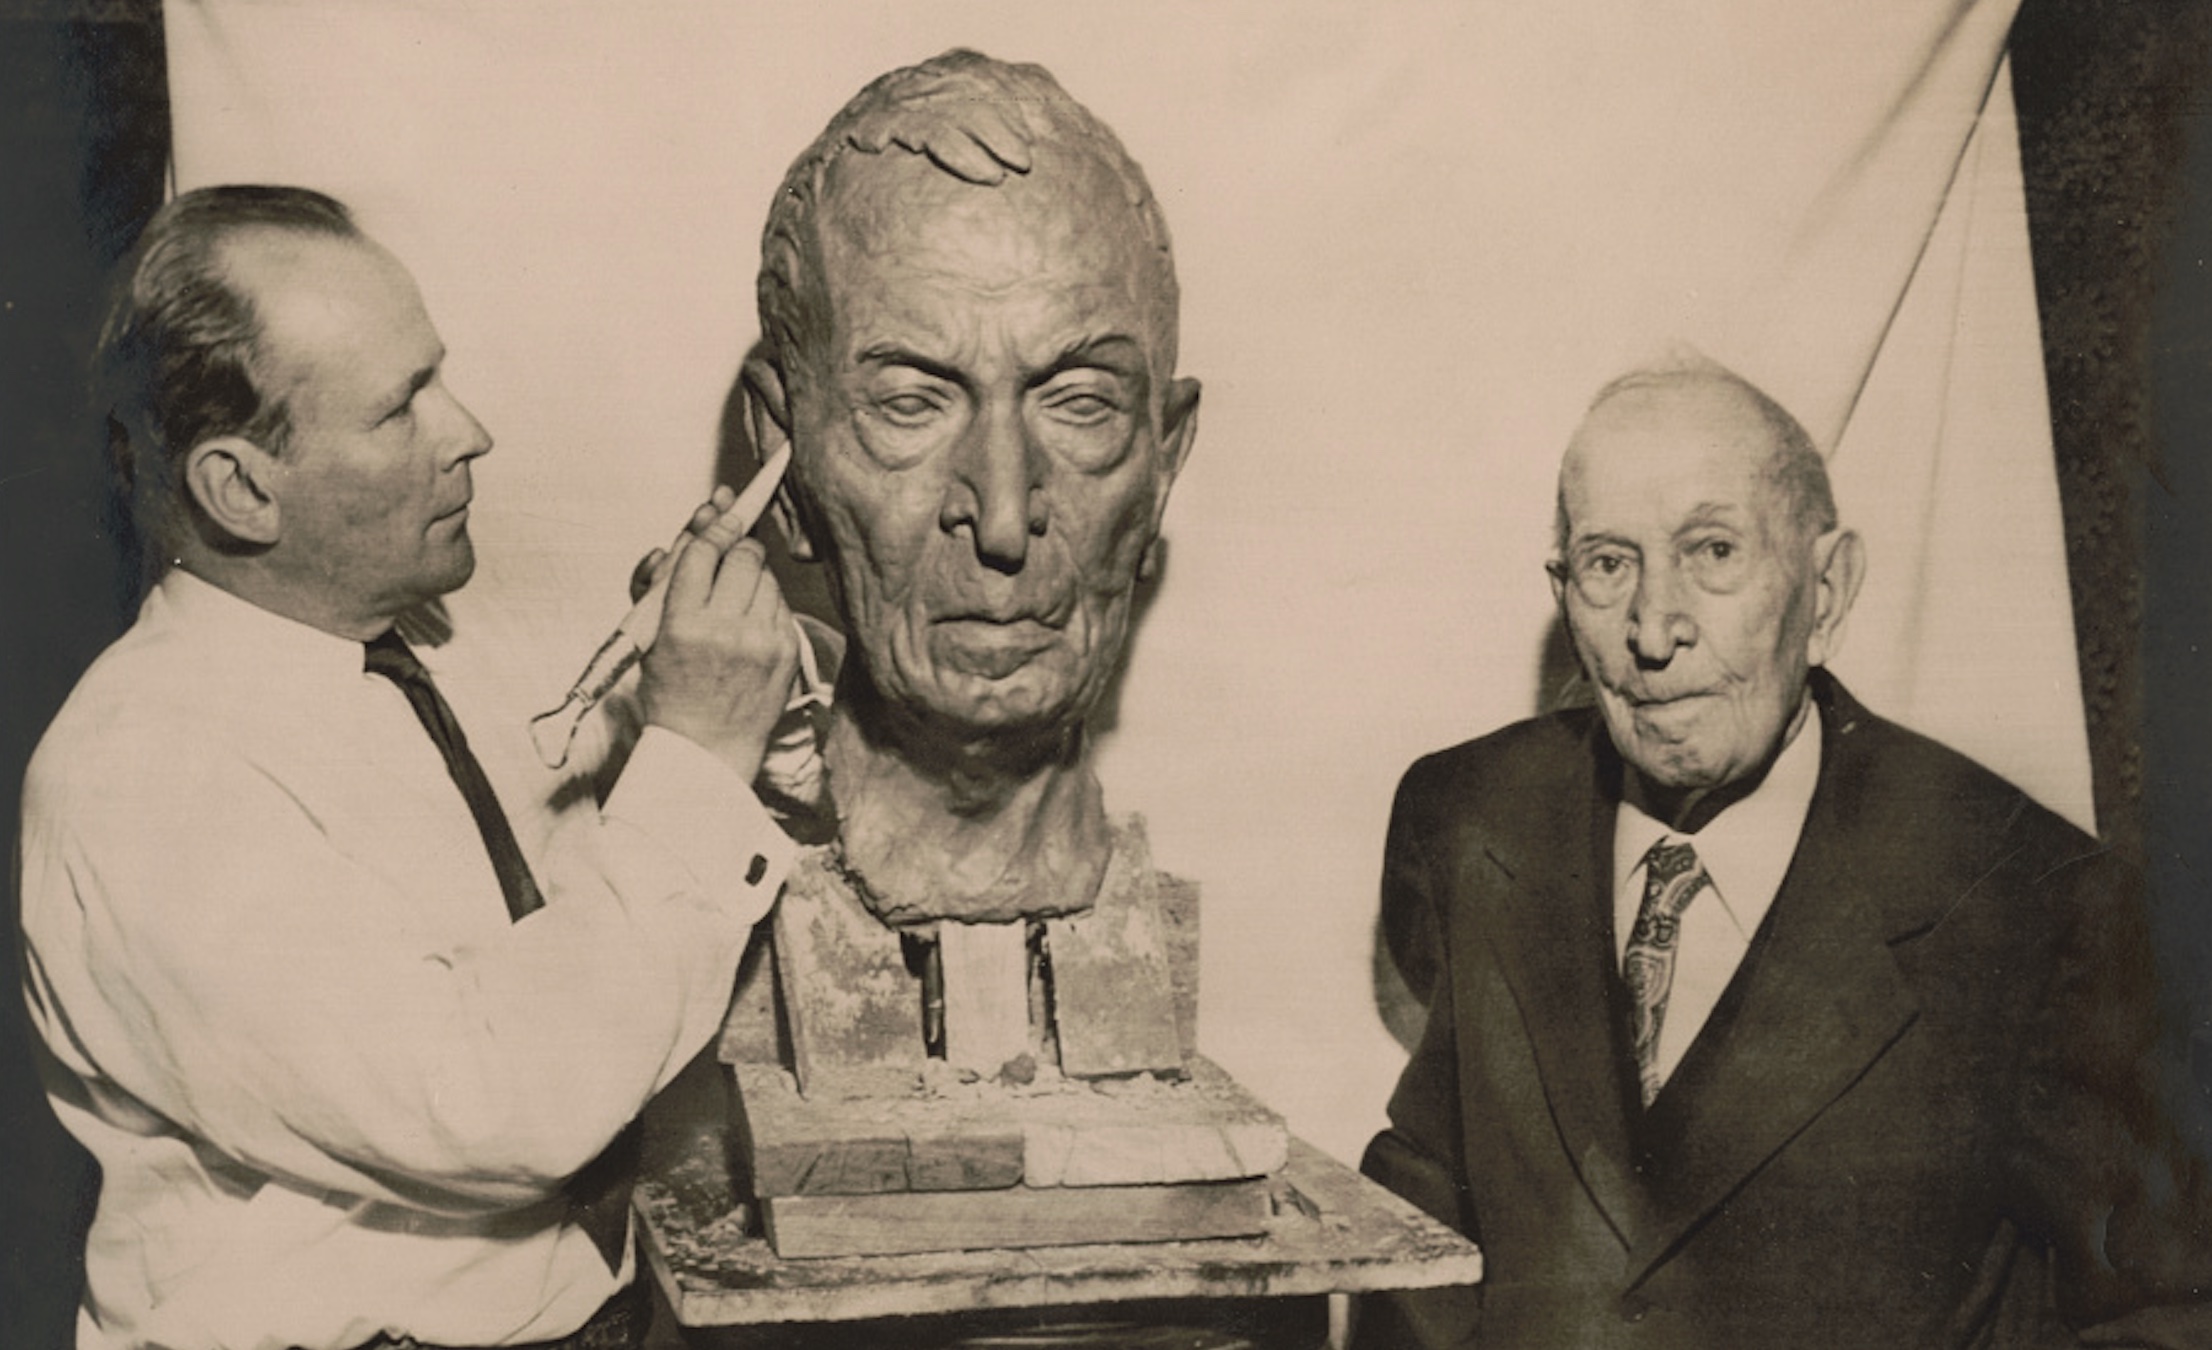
968	311
986	993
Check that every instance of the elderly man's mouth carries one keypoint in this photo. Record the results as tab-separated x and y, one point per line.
1659	710
990	648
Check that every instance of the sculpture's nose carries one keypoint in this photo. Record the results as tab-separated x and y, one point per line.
995	490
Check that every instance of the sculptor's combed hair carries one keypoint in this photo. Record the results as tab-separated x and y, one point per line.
177	353
975	118
1796	469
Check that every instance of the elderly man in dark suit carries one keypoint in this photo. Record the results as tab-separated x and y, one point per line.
1754	1019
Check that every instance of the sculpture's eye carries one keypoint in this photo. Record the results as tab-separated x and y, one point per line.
1081	409
910	408
1082	416
902	415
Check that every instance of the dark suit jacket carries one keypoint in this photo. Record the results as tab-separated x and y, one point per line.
1925	1112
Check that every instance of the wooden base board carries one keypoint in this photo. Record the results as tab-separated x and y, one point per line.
1330	1230
911	1222
1139	1132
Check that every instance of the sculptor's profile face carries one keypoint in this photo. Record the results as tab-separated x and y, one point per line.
1695	603
985	434
374	484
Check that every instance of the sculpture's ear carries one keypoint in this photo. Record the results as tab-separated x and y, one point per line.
1178	425
768	422
231	481
1178	429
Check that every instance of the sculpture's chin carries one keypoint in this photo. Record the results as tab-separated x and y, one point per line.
991	693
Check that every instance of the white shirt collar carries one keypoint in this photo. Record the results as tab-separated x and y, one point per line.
262	638
1747	848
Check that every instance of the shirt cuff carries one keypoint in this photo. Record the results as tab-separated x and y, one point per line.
688	801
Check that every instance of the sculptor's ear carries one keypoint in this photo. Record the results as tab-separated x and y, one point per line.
768	422
1840	559
230	479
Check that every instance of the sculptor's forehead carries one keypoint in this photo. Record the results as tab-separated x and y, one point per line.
1067	223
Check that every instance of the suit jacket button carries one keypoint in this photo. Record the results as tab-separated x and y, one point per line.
1633	1307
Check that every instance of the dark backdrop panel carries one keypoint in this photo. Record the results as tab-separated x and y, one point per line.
84	134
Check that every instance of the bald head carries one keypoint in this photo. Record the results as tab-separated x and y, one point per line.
927	142
1705	390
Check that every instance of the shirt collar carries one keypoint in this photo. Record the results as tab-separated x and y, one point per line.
1747	848
269	641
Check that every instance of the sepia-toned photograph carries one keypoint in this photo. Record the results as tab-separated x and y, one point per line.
1242	676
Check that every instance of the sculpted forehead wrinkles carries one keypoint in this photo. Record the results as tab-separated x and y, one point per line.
1057	253
924	148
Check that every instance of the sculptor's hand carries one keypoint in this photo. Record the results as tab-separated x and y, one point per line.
721	669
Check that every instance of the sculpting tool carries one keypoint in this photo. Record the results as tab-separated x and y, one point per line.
554	732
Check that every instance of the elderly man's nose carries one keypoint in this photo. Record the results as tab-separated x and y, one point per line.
1658	620
994	492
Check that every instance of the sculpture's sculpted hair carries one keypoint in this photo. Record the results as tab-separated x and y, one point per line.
1796	470
179	349
980	120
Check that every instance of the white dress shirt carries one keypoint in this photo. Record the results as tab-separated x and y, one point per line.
1746	851
333	1090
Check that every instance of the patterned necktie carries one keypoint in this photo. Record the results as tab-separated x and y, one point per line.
599	1196
390	657
1672	878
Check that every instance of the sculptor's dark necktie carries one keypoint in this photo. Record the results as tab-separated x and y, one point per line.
1672	878
389	656
599	1196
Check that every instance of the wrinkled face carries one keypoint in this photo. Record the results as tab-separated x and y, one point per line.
373	485
1690	597
978	435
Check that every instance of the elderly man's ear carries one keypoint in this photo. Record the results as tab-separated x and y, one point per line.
768	423
231	480
1839	563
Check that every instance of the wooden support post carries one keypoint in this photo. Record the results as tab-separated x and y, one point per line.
855	1009
986	969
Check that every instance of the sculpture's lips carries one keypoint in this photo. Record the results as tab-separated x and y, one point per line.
991	648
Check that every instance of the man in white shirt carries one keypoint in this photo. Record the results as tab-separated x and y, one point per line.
1754	1019
345	1055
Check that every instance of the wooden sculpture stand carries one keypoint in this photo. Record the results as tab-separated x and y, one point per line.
728	1154
1066	1107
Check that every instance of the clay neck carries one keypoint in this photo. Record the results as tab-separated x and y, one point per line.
936	835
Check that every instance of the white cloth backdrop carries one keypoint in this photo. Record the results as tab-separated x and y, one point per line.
1414	238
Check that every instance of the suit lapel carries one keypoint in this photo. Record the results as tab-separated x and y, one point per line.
1555	946
1817	1000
